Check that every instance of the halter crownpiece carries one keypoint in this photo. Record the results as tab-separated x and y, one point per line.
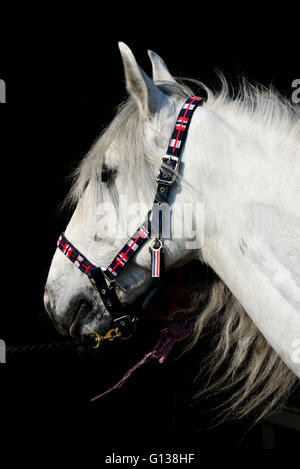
103	280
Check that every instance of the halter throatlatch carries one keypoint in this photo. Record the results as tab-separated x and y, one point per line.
103	280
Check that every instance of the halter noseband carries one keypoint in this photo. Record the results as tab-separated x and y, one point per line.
103	280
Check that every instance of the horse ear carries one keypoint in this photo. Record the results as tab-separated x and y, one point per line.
139	85
160	72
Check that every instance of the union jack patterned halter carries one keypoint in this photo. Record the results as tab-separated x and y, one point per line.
103	280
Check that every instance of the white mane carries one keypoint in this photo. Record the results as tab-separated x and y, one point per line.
264	110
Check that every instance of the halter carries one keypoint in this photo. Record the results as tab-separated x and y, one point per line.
104	279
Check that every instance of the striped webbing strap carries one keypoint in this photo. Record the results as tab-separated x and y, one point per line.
165	179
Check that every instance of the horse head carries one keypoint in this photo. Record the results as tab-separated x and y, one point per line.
113	189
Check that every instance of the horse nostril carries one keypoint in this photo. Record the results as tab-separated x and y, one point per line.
81	311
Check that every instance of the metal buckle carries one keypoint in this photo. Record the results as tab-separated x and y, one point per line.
167	159
110	280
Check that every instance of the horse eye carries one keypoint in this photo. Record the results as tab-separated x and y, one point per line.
107	174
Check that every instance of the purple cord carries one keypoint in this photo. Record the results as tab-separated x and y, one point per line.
174	332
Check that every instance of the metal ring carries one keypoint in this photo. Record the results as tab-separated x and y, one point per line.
98	340
156	240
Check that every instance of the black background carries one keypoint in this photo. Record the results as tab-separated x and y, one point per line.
64	78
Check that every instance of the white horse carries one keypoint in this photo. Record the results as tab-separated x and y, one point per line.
242	167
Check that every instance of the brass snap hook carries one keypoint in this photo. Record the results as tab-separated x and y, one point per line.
111	335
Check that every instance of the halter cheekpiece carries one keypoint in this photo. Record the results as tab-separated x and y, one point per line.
103	280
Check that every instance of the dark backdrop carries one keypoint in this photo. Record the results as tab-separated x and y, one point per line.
63	81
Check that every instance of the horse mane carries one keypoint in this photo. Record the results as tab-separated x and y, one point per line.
271	116
257	377
265	108
238	361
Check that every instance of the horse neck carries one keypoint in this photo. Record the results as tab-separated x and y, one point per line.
237	181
